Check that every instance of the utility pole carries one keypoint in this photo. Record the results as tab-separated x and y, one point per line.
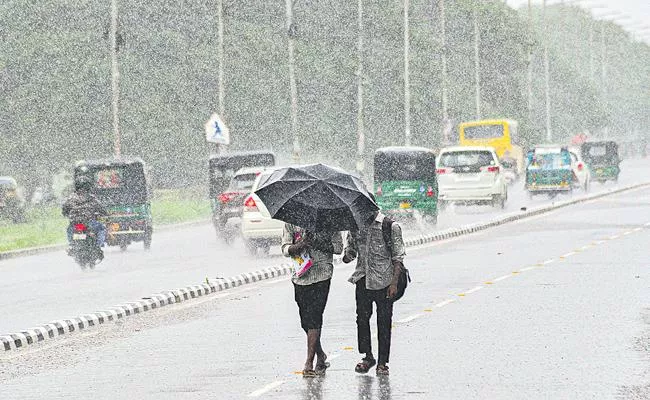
477	65
443	50
291	32
547	89
591	49
220	56
529	77
361	139
220	94
115	81
603	72
407	89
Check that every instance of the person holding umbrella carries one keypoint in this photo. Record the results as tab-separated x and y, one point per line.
379	249
311	283
317	202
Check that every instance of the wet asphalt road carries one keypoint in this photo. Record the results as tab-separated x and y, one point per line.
39	289
553	307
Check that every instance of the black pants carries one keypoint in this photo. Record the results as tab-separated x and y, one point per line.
365	298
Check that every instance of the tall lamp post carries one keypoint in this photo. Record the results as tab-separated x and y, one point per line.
291	32
115	82
361	139
407	88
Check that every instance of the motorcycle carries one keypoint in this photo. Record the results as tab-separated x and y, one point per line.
84	247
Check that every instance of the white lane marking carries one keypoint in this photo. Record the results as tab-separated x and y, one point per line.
476	289
266	388
275	282
549	261
527	269
627	233
586	247
599	241
501	278
646	224
569	254
637	229
614	237
333	356
444	303
409	319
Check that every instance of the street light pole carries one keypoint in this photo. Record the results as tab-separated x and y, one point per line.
361	139
220	56
547	89
407	89
291	32
477	65
529	77
115	81
443	51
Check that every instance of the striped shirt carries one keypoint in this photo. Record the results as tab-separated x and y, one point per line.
323	267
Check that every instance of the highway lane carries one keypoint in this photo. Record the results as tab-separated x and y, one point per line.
39	289
548	307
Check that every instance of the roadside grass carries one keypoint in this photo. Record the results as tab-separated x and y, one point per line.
46	226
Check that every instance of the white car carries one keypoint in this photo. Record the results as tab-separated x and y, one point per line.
258	229
582	175
470	175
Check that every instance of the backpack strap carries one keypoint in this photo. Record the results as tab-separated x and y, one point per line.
387	233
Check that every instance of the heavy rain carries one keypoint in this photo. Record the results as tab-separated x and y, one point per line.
326	199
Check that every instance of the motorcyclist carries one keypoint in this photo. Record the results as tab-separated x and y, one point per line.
82	205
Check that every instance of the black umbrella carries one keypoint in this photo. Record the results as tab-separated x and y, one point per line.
317	197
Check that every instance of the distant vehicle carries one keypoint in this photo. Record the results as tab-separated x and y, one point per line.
258	229
509	170
222	168
581	173
549	171
12	204
405	182
240	187
122	186
603	160
500	134
471	175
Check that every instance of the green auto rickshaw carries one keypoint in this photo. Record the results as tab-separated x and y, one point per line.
405	182
603	160
549	171
122	186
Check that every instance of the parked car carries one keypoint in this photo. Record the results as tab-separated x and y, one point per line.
258	229
581	171
471	175
12	203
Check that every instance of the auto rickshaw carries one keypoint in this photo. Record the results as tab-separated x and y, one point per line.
12	204
405	182
122	186
221	169
603	160
549	171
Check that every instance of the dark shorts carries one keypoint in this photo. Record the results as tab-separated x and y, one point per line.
311	300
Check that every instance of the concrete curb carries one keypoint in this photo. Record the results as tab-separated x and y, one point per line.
56	328
32	251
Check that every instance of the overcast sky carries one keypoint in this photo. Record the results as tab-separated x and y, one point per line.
637	12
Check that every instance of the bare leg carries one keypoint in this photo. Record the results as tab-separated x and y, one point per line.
320	353
313	336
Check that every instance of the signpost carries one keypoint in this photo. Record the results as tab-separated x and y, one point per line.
216	131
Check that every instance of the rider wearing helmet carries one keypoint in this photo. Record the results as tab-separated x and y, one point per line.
82	205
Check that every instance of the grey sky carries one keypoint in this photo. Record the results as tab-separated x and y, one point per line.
635	14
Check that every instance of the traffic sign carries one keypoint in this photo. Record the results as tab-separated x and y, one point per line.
216	131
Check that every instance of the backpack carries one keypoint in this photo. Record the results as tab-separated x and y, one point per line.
404	277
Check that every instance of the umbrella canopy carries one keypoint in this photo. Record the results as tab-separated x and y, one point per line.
317	197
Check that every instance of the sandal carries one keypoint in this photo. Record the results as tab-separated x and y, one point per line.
382	370
309	373
365	365
320	369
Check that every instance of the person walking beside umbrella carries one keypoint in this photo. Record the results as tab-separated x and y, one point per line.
311	284
379	249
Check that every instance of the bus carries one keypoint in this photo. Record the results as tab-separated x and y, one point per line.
500	134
